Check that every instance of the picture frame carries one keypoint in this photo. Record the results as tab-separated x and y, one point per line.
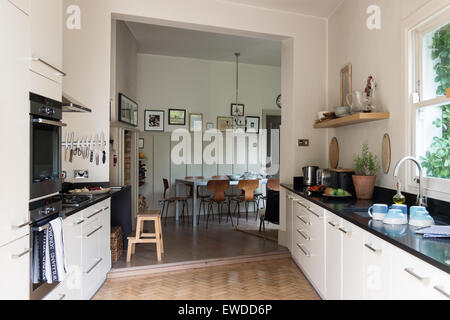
252	124
237	110
346	84
177	117
154	120
224	123
128	110
141	143
195	122
209	126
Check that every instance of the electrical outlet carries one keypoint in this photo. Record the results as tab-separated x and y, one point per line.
303	142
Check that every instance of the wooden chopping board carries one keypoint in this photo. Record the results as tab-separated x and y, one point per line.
386	153
334	153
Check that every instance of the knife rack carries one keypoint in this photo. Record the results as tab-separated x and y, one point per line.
83	144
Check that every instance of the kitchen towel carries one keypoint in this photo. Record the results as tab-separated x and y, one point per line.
57	250
435	232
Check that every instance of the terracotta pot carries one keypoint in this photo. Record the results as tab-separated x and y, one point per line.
364	186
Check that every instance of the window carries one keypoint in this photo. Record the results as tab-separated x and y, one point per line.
430	108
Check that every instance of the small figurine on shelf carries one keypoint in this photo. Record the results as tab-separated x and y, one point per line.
370	94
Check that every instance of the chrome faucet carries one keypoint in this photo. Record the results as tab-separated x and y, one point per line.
421	201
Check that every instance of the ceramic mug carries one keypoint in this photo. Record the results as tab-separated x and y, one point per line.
415	209
378	211
402	207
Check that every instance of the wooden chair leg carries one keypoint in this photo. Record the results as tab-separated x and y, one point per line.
138	228
158	241
160	234
130	250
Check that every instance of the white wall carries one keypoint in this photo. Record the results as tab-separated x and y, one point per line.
87	54
203	86
377	53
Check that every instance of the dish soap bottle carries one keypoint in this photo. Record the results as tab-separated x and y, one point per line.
399	198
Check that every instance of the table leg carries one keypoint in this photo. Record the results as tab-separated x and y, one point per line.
177	194
194	206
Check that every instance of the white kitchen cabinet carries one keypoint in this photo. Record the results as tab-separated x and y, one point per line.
15	124
105	237
333	271
46	48
377	268
440	285
288	203
15	270
23	5
352	261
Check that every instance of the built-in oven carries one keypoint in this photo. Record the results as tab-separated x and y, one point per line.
45	153
42	212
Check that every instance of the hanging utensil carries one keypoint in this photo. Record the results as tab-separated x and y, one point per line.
103	149
91	150
66	146
71	146
97	150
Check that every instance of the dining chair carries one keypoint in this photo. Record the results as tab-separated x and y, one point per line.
200	197
169	200
218	188
248	188
272	184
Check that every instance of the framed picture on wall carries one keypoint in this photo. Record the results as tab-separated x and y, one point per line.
195	122
141	143
177	117
128	110
224	123
252	124
154	120
237	110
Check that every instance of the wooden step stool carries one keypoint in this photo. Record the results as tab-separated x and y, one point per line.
141	237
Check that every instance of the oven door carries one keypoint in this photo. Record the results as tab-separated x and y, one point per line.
45	166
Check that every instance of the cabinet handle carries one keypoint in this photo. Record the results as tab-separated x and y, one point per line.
347	233
303	235
306	253
79	222
63	74
415	275
332	224
22	225
304	221
90	234
62	297
377	251
95	213
93	267
18	256
441	291
105	208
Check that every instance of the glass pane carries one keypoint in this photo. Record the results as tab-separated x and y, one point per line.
436	62
433	140
45	152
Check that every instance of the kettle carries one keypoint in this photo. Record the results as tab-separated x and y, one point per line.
310	175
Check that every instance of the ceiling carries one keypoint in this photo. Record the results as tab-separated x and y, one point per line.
169	41
318	8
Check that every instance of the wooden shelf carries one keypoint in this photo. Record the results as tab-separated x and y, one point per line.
353	119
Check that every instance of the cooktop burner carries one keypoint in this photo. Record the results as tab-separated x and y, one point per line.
70	200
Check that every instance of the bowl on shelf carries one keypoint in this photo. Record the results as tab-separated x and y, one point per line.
342	111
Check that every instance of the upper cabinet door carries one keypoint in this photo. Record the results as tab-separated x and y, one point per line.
47	37
15	127
23	5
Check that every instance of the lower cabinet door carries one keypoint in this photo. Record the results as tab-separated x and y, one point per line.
15	270
73	253
333	258
105	238
352	261
377	268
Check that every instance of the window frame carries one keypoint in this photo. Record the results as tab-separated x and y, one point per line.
415	28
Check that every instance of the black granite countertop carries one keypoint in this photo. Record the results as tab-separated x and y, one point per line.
434	251
67	212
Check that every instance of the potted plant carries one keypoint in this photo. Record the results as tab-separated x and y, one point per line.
366	167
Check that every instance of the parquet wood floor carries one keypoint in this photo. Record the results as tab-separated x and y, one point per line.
264	280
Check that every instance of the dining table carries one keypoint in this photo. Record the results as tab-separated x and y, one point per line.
201	183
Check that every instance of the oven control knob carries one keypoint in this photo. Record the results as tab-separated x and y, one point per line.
51	112
45	110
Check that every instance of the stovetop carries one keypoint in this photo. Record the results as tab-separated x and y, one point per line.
74	201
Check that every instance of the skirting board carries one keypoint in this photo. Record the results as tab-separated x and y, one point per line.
174	267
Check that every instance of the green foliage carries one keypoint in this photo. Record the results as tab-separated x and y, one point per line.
366	164
437	159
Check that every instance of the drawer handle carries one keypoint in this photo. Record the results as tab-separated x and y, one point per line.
93	267
332	224
90	234
49	65
441	291
22	225
377	251
415	275
317	215
95	213
304	221
18	256
306	253
303	235
105	208
308	208
62	297
347	233
79	222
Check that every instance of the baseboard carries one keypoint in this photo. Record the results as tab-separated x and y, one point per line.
182	266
